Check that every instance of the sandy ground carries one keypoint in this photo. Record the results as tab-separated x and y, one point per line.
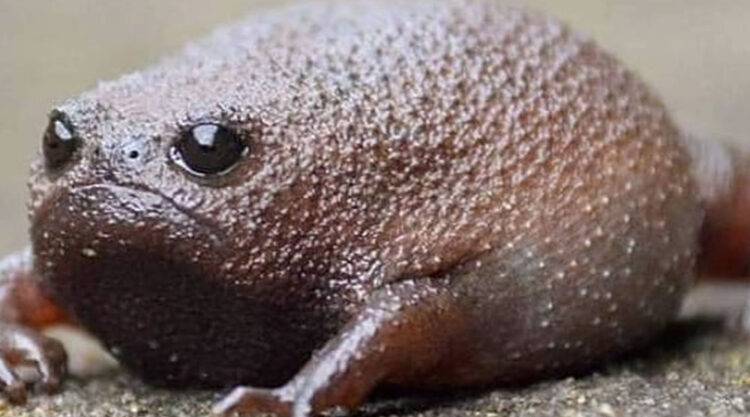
695	53
696	369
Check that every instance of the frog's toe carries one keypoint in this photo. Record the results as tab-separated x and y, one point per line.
253	401
50	358
12	386
19	345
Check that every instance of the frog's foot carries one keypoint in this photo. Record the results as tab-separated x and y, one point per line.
254	401
401	335
23	346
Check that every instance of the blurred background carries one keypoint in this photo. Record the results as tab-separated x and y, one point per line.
696	53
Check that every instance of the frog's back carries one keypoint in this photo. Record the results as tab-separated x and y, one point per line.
484	123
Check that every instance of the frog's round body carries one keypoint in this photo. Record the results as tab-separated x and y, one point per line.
493	151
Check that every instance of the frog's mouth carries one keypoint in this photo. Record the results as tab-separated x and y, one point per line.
146	278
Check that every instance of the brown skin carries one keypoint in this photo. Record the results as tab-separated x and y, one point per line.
435	195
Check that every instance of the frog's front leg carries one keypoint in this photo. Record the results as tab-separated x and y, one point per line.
24	311
402	334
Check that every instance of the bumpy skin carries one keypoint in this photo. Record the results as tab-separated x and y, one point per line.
437	194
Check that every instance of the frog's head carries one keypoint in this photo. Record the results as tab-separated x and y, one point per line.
170	219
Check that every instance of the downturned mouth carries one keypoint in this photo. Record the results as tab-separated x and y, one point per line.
135	200
77	224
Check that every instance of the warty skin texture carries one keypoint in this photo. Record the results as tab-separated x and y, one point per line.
437	194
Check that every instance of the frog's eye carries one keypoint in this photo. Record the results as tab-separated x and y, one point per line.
59	144
207	149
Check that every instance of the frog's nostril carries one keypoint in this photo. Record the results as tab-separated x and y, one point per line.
60	143
134	151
